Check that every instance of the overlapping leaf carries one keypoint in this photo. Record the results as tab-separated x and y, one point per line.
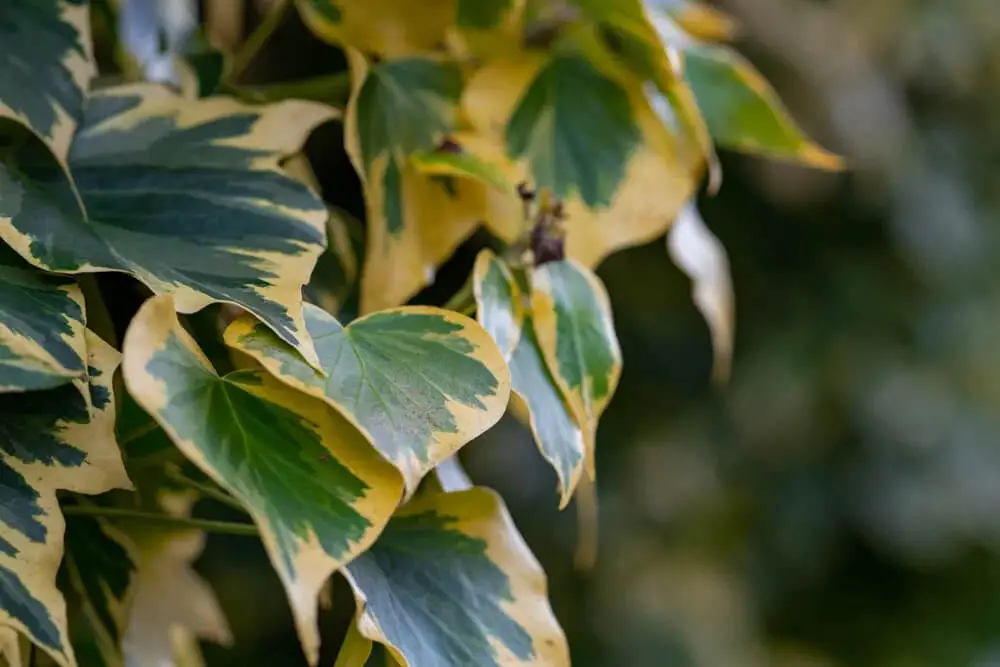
319	498
500	310
99	568
697	252
576	336
451	583
41	327
51	440
419	382
416	219
172	603
588	136
389	28
185	195
47	66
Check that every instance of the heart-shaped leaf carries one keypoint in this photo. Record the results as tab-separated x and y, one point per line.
54	439
576	335
317	491
42	323
187	196
451	583
419	382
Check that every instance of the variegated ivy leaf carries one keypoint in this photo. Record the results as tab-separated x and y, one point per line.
699	254
172	603
500	310
451	583
47	66
336	273
389	28
319	498
419	382
576	336
416	220
459	163
185	195
742	110
41	327
98	571
51	440
700	20
645	170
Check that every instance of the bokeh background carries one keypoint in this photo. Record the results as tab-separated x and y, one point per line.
838	503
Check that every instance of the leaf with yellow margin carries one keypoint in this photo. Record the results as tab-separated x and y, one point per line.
700	20
185	195
419	382
576	336
42	322
500	310
635	184
52	440
316	490
698	253
48	64
742	110
389	28
451	583
415	220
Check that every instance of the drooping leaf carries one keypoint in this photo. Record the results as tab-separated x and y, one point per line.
51	440
742	110
647	189
500	310
41	327
319	498
47	66
697	252
451	583
98	568
576	336
389	28
415	220
172	602
185	195
499	301
419	382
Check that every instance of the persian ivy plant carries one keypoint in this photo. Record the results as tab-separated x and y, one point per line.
569	130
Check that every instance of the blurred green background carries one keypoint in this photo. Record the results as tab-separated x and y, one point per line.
839	502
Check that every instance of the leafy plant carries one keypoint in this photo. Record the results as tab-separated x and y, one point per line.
569	130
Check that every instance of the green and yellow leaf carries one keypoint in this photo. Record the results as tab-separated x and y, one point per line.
172	603
698	253
98	571
317	491
500	309
416	219
42	323
599	145
47	67
52	440
419	382
698	19
743	112
185	195
576	336
336	273
389	28
461	164
451	583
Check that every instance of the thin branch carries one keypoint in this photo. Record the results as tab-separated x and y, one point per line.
242	58
221	527
204	489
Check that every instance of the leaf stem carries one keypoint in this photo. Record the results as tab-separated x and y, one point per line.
221	527
242	58
204	489
332	89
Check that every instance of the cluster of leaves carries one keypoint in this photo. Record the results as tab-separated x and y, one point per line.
570	130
